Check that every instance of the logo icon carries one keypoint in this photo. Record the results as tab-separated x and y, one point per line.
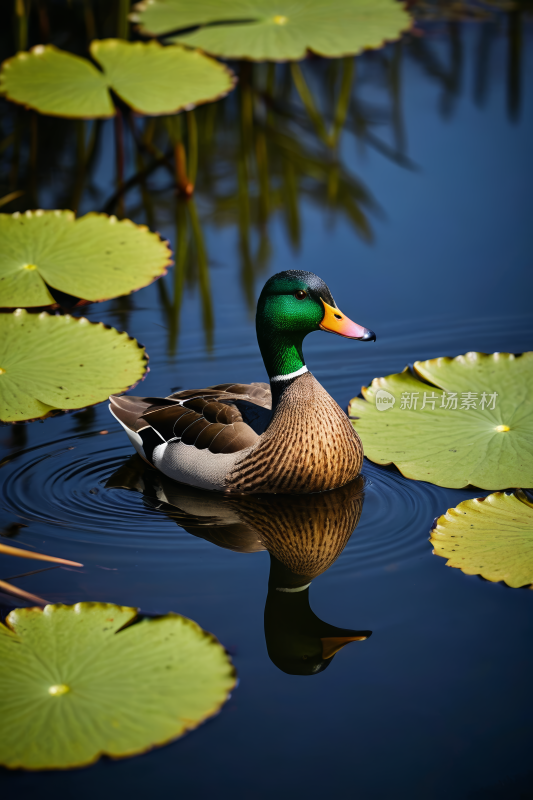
384	400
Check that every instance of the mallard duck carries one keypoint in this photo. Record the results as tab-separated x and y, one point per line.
290	437
304	536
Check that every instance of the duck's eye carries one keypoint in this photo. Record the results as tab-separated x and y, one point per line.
300	294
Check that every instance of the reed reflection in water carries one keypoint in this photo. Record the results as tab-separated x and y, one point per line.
275	146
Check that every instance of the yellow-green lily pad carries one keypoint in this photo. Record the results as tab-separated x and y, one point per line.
455	422
276	30
94	258
78	682
161	80
152	79
489	536
57	83
60	362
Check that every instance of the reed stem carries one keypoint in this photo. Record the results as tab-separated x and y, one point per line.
123	24
21	13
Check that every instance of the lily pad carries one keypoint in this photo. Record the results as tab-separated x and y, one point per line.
94	258
57	83
276	30
152	79
472	425
161	80
489	536
54	362
78	682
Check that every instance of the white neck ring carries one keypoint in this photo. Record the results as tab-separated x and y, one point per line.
291	375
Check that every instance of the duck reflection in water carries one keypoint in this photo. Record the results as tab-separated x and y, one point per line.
304	535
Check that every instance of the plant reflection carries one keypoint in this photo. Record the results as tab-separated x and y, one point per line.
249	162
303	534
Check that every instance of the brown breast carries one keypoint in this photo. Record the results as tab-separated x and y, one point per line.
309	446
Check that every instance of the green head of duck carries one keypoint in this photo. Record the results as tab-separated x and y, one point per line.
293	304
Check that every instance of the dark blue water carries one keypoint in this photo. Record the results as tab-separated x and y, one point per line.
437	703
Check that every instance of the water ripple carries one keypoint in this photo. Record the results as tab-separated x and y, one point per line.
61	486
397	515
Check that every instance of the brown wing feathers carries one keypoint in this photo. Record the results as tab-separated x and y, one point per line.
209	418
258	393
233	438
164	419
130	409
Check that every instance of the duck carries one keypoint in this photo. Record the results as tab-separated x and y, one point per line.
287	436
304	536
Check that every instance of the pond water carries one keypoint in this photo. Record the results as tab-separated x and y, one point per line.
421	226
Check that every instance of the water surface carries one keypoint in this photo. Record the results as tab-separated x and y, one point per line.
437	702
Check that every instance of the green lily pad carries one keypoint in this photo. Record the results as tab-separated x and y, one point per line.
57	83
95	257
53	362
161	80
276	30
78	682
485	441
489	536
152	79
